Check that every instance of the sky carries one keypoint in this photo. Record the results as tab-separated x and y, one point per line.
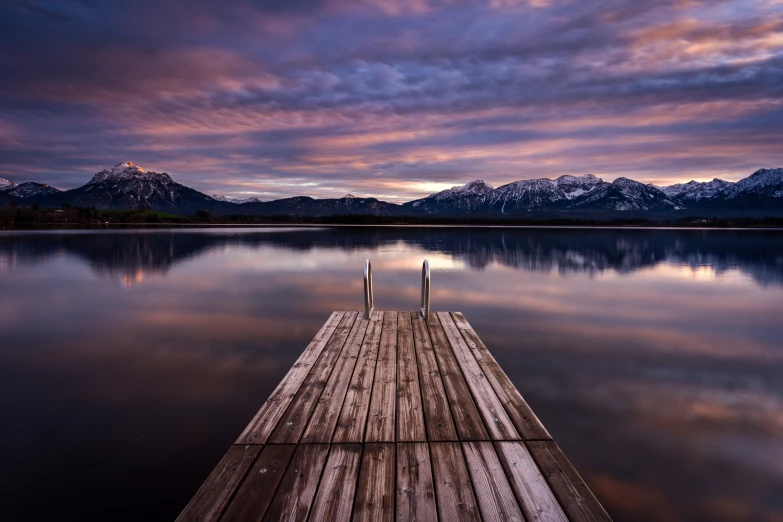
390	99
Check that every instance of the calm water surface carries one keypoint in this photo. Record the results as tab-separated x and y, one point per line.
130	360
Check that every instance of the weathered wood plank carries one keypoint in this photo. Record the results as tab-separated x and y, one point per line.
375	490
493	492
533	493
259	429
294	421
437	415
415	489
496	419
327	410
334	500
297	489
210	500
526	422
353	417
383	403
575	497
256	492
463	410
453	488
410	416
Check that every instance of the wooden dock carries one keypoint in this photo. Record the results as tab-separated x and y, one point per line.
395	418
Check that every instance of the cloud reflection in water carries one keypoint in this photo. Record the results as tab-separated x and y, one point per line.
652	356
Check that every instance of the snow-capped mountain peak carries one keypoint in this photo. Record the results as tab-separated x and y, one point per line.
31	189
231	199
6	185
574	186
761	181
697	190
126	171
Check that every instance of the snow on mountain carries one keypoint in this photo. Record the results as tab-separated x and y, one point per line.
761	182
30	189
473	188
128	186
6	185
697	190
625	194
465	197
575	186
543	192
238	201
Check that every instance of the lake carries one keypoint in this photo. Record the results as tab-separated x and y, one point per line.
131	359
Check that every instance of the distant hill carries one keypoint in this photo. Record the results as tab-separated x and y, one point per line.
128	186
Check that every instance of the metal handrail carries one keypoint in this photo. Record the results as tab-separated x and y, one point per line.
425	290
369	300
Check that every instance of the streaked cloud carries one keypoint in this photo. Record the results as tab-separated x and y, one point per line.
389	99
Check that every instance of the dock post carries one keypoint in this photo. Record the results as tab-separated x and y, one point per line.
425	289
369	300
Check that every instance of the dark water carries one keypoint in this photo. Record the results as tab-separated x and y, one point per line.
129	361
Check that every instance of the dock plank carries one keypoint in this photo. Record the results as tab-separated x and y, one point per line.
212	497
496	419
526	422
353	416
260	428
294	420
257	490
327	410
463	410
297	489
437	415
410	416
395	417
415	488
533	493
383	402
334	500
575	497
456	502
375	490
493	492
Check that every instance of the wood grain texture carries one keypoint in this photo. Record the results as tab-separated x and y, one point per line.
395	417
410	416
293	423
383	403
533	493
526	422
467	419
327	410
259	487
259	429
212	497
575	497
453	488
415	488
375	490
493	492
353	416
437	415
334	500
297	489
496	420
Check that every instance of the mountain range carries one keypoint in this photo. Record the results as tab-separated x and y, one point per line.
128	186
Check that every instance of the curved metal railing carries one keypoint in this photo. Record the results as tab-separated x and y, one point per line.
425	289
369	300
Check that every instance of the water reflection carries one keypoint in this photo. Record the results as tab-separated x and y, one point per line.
129	255
130	360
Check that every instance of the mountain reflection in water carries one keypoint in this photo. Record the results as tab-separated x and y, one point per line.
131	359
